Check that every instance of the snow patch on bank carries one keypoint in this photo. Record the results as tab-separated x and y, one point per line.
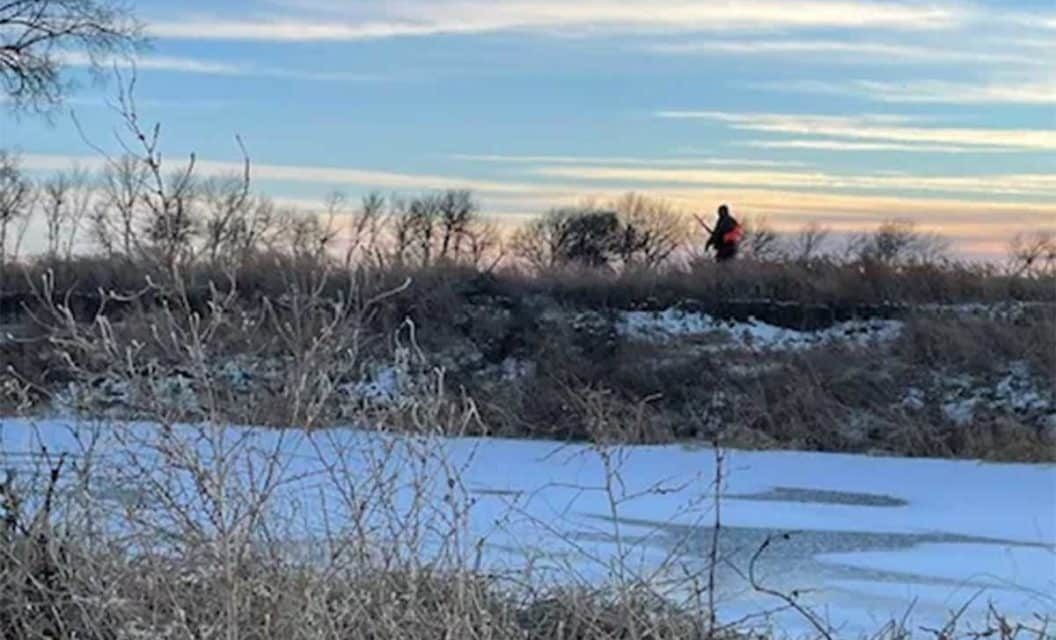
1008	311
663	326
386	385
1015	393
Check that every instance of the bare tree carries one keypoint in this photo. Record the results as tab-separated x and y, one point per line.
653	229
38	36
1033	254
54	195
227	207
235	224
760	241
808	243
585	236
430	228
263	227
401	230
173	217
169	199
898	242
100	231
64	201
537	241
16	195
424	214
307	234
458	212
365	228
543	242
484	246
115	221
632	231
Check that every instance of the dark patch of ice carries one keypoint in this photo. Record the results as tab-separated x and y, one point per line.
821	496
793	558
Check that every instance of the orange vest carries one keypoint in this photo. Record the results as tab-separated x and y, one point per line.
733	236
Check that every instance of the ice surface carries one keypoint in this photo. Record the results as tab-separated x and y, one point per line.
873	534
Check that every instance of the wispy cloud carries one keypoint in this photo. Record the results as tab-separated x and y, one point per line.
1034	20
848	52
292	30
618	160
313	20
158	63
1029	91
213	67
578	177
1032	185
190	65
873	128
367	178
330	176
838	145
1037	92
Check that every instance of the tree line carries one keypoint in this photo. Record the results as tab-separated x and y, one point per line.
135	209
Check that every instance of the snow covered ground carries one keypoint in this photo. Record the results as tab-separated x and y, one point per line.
875	536
663	326
1014	393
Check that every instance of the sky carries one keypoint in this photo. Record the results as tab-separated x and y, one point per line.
844	112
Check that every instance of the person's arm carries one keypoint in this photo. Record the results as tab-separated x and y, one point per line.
711	233
715	239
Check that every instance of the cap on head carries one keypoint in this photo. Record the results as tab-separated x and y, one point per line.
724	210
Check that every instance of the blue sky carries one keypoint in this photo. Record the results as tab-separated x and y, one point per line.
847	112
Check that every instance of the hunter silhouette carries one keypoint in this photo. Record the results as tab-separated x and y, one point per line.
725	237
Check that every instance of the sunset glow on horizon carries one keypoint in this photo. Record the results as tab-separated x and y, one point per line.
843	112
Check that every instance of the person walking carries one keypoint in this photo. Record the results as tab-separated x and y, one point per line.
725	237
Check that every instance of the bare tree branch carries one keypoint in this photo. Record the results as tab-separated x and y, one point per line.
38	37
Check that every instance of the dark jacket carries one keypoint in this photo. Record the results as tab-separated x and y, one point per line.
724	249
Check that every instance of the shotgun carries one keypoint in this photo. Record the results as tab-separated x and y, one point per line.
703	224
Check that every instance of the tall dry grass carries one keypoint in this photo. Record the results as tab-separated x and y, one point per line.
180	527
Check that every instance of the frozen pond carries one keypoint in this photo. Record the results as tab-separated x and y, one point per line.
871	537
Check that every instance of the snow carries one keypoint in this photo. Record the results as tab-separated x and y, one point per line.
914	399
385	386
1007	311
960	412
875	535
663	326
373	384
1015	392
